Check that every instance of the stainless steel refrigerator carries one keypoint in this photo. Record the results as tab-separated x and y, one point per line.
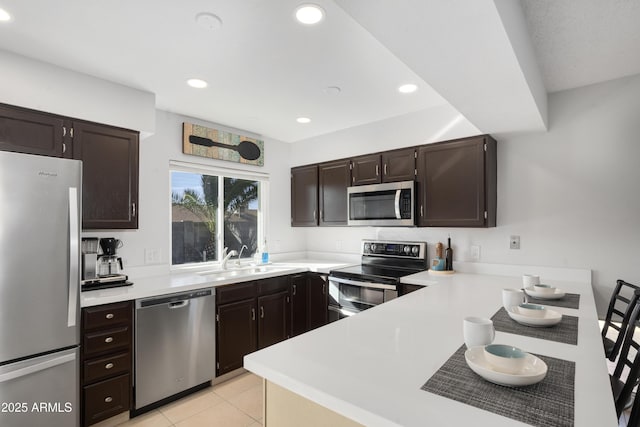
40	201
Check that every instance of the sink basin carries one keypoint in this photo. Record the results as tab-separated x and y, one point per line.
241	271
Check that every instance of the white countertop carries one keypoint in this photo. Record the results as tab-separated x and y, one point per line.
370	367
183	281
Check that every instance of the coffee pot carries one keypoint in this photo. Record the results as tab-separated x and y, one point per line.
109	265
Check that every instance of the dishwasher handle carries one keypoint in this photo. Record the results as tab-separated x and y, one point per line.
178	304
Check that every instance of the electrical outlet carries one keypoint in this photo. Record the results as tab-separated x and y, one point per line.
514	242
474	253
151	256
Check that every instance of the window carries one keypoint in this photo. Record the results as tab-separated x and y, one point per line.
211	210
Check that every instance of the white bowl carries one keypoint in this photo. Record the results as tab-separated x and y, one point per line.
544	289
532	310
505	358
533	372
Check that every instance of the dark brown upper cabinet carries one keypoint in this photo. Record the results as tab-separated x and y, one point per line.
457	183
366	170
399	165
390	166
34	132
109	175
334	178
304	196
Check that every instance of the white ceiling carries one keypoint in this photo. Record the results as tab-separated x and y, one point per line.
265	70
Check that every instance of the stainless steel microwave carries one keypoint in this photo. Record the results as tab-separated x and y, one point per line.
391	204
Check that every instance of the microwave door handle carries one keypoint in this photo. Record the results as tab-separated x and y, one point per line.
397	204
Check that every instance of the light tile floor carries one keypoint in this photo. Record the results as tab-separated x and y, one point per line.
233	403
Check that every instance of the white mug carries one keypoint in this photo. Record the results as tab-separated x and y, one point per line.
478	331
529	280
511	297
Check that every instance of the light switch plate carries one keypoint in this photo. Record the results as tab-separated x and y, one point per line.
474	253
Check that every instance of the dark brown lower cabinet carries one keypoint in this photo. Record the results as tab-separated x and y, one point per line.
250	315
317	300
273	321
106	361
236	334
106	398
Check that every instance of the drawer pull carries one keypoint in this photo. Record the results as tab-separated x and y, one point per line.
108	399
109	316
108	339
108	366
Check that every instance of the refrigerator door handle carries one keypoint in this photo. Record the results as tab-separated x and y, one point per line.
23	372
74	257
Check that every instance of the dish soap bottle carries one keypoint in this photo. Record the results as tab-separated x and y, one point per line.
265	253
448	254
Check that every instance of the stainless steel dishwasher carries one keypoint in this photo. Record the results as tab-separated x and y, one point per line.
175	344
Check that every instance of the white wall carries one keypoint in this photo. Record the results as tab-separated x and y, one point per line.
571	193
155	195
41	86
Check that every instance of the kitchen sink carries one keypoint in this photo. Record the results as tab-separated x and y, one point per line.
242	271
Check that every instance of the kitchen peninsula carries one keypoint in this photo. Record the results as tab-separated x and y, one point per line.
369	369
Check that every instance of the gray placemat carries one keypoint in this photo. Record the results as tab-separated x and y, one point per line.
565	332
567	301
549	403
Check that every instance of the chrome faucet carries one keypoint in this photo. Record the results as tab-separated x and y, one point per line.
226	256
240	256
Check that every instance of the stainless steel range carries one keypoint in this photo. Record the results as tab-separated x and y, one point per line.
377	279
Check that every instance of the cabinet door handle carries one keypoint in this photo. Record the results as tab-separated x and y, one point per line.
108	366
253	314
294	290
262	312
109	316
314	214
108	399
377	170
133	209
108	339
385	168
324	288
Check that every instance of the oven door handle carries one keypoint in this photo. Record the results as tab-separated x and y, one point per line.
362	284
342	310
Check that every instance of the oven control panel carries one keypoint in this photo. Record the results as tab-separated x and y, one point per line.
394	249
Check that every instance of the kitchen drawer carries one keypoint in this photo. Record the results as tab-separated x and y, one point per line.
106	398
103	367
108	340
107	315
273	285
235	292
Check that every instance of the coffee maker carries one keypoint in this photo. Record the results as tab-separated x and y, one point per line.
109	264
101	271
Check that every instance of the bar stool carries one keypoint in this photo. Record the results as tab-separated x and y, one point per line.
611	348
634	418
622	388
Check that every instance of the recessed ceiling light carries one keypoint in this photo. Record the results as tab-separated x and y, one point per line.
332	90
4	16
309	14
208	21
408	88
303	120
197	83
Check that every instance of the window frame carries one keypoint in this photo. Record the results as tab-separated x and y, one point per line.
221	172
